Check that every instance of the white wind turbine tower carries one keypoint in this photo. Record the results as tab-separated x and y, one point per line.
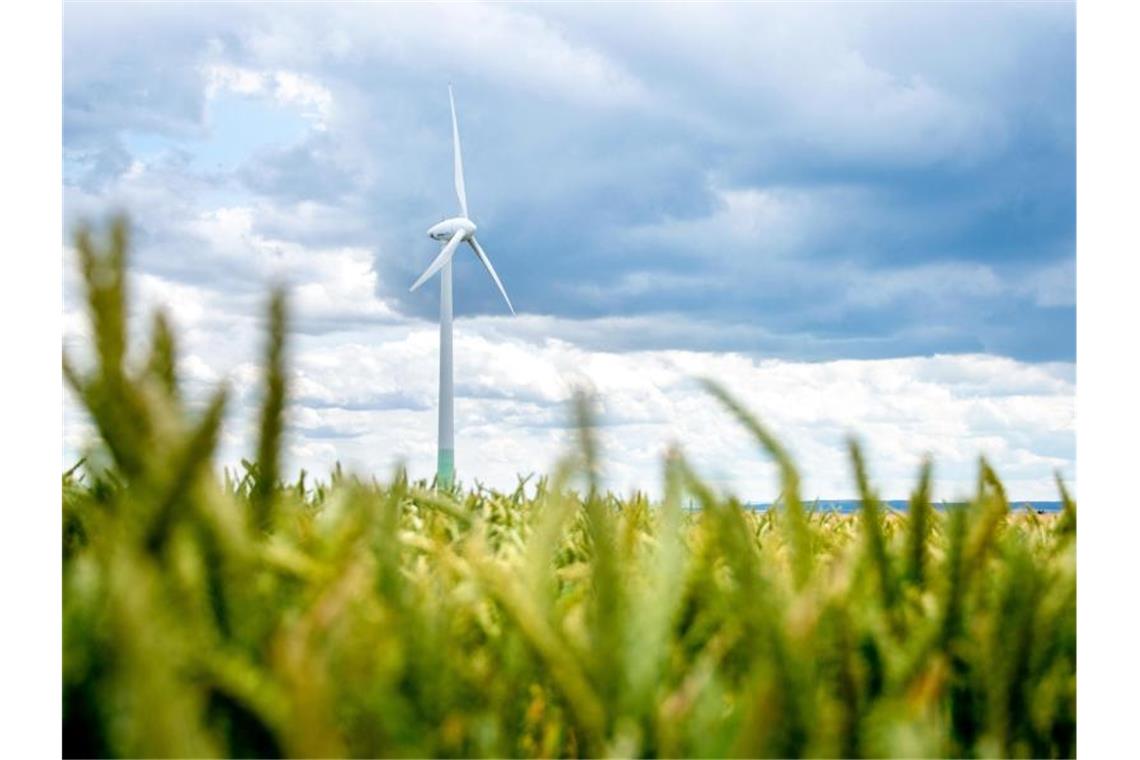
458	229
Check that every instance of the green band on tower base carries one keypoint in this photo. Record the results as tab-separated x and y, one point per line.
445	468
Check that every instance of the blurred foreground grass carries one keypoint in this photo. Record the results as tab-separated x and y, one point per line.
246	616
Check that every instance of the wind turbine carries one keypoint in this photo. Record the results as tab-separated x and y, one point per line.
456	230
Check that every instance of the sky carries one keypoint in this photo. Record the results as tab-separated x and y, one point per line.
860	218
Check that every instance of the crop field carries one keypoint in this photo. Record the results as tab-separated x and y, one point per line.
223	613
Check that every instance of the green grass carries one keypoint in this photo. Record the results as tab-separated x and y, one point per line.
238	614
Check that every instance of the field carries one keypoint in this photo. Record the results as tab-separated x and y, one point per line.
236	614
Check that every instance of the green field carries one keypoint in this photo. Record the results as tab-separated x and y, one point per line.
237	614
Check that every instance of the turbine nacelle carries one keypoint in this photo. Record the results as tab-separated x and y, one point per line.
446	229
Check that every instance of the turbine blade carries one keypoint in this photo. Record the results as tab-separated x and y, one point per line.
460	187
443	257
471	241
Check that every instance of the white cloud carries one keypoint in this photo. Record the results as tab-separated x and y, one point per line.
870	113
501	44
894	404
337	283
367	398
284	87
372	404
748	221
823	80
1054	284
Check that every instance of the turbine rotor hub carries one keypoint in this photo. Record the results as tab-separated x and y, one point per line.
446	229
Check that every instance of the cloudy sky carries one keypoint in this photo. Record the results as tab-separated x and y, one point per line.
860	218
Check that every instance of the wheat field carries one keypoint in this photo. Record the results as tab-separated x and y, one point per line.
212	612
